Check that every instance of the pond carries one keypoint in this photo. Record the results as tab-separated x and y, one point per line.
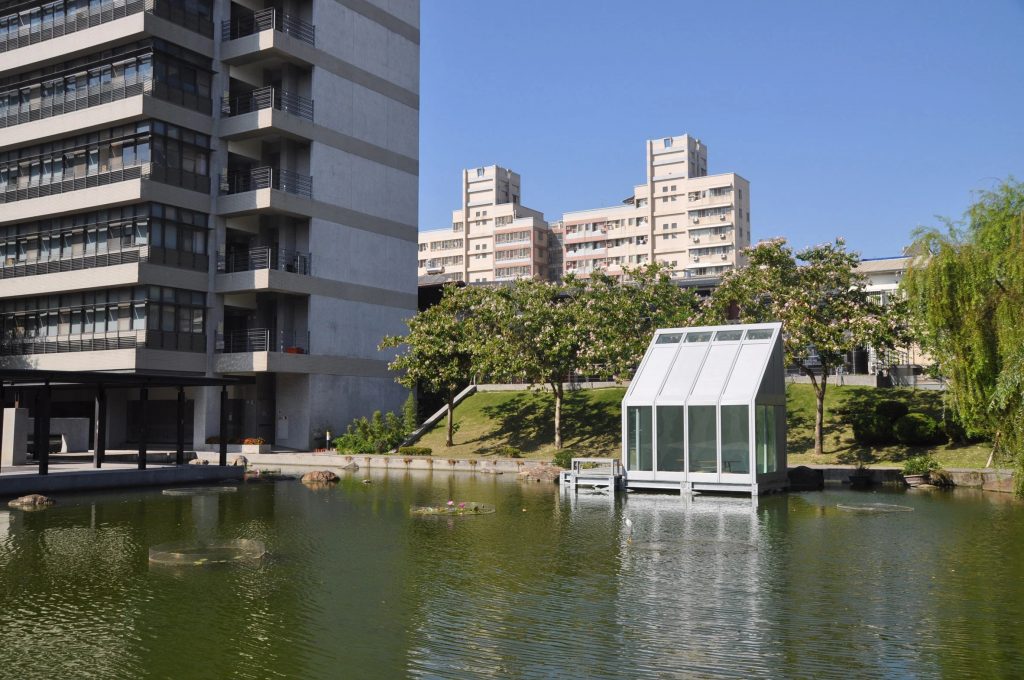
352	584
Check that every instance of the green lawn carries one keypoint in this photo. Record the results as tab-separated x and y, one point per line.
591	426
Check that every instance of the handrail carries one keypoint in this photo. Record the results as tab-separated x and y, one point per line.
81	342
265	257
265	98
265	20
76	183
260	340
89	17
36	266
236	182
83	99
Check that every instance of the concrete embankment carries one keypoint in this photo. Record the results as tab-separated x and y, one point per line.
989	479
19	484
392	462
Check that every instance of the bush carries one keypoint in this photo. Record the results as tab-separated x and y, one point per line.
416	451
563	458
381	433
257	441
506	451
891	410
920	465
873	430
918	429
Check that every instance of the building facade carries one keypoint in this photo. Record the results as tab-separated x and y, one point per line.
211	188
695	223
492	237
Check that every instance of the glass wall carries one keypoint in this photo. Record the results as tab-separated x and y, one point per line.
639	452
702	440
764	428
671	452
736	439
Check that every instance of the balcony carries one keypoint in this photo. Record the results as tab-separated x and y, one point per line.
37	29
268	33
181	178
103	341
262	340
256	179
253	259
268	98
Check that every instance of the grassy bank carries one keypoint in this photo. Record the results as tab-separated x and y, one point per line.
591	426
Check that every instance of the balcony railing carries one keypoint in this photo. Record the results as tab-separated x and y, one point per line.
265	258
265	20
103	94
177	177
35	267
238	182
86	342
262	340
37	31
266	98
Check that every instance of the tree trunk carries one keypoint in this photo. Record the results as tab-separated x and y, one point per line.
451	420
819	415
557	388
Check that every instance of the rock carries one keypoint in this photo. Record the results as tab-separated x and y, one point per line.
367	481
319	477
541	473
33	501
199	461
351	466
240	461
803	478
491	471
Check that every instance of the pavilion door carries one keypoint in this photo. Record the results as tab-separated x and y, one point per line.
734	437
670	453
702	443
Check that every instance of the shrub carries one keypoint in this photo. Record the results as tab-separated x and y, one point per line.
416	451
920	465
257	441
918	429
872	430
380	433
563	458
506	451
891	409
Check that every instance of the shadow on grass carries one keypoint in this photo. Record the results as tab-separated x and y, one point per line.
527	422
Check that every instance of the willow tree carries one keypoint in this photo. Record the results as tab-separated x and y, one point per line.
435	354
822	303
965	287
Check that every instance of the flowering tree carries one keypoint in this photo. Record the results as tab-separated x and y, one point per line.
822	303
436	351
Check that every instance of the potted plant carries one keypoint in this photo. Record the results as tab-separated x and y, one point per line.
917	470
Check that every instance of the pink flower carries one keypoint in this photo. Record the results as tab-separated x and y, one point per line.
451	503
462	506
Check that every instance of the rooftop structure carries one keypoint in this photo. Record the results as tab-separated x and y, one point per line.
706	410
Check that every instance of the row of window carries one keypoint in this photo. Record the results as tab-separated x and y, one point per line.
165	145
102	232
117	309
512	237
514	254
511	272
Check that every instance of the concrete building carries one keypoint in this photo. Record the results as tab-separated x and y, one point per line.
492	237
695	223
883	281
211	188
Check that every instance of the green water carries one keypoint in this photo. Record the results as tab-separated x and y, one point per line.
353	586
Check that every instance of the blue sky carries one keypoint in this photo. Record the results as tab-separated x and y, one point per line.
854	119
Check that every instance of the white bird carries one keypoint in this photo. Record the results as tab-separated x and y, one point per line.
629	525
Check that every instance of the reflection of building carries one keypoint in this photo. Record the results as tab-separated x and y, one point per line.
706	410
691	221
211	187
492	237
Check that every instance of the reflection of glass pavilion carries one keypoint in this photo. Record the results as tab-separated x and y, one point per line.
706	410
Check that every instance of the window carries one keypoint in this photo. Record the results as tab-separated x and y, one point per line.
764	438
638	438
735	439
759	334
671	451
479	172
669	338
728	336
699	336
701	438
667	142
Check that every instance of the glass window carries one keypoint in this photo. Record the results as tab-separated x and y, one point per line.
669	338
671	450
759	334
703	336
728	336
764	441
701	437
638	439
736	439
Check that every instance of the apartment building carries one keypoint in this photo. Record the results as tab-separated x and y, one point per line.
211	187
492	236
694	222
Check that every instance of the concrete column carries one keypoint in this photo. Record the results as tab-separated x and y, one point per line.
180	452
99	442
143	398
42	429
223	425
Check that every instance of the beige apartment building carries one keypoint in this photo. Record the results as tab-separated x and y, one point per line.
695	223
492	236
211	188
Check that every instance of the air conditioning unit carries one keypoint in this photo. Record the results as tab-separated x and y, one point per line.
724	256
696	239
696	258
722	217
696	220
435	270
722	236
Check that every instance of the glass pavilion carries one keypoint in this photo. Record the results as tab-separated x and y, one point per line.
706	410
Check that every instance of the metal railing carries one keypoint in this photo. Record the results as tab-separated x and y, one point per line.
240	181
95	96
88	17
157	173
266	98
262	340
265	258
265	20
